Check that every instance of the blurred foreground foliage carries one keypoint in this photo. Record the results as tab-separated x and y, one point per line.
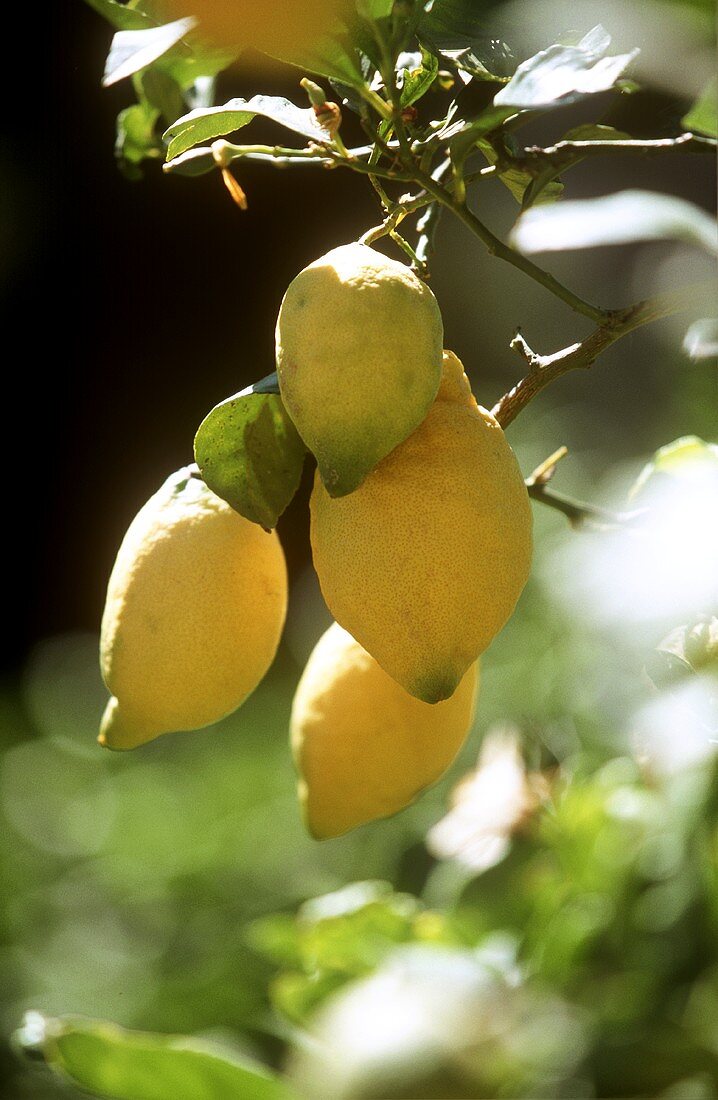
569	949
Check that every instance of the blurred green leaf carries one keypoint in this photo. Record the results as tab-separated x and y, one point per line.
703	115
207	123
124	17
136	139
133	1065
134	50
682	458
332	56
162	92
620	218
563	74
250	454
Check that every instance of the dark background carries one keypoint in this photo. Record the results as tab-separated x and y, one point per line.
134	307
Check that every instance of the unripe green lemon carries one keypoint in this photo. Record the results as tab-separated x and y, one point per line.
363	746
195	608
424	563
359	343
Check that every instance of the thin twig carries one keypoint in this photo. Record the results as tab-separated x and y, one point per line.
497	248
565	153
545	369
577	512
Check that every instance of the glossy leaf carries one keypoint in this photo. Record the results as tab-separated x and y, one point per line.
250	454
208	123
109	1061
563	74
614	219
703	115
134	50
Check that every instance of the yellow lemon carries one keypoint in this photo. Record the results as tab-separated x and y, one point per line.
363	746
424	563
195	608
359	343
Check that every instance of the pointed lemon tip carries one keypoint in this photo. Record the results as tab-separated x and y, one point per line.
119	733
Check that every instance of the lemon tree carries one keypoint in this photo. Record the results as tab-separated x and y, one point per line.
500	969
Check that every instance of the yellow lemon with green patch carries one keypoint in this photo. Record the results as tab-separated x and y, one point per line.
359	343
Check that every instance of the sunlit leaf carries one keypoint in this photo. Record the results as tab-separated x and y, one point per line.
109	1061
207	123
134	50
250	454
614	219
562	74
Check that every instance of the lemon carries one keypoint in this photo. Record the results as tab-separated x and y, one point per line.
195	608
359	344
424	563
363	746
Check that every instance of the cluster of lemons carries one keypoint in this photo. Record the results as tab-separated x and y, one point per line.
421	538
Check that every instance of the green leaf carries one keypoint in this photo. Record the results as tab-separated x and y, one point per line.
134	50
208	123
196	162
518	181
679	459
684	651
332	56
162	92
456	32
614	219
701	340
417	72
136	139
250	454
121	16
563	74
703	115
111	1062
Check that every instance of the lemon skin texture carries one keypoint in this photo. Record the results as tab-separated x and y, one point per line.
364	748
195	608
359	344
424	563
